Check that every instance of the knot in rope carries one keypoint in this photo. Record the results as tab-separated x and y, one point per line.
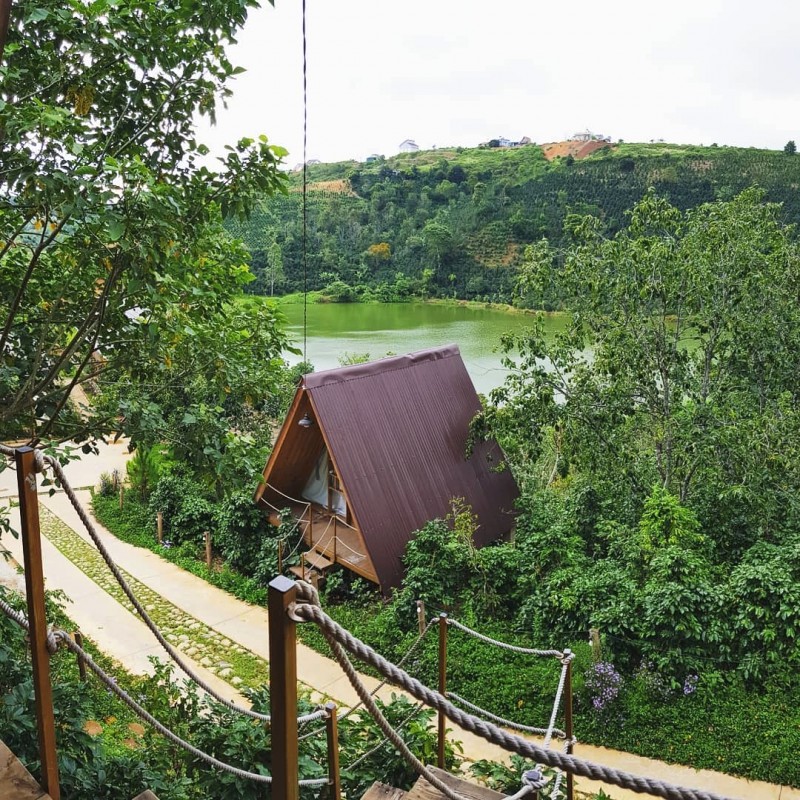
39	463
53	641
306	595
566	657
534	779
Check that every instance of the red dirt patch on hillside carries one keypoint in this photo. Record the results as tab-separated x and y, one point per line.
577	150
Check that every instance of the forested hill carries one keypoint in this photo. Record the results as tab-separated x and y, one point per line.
456	222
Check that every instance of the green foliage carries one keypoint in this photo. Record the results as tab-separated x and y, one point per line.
790	148
471	212
143	470
110	225
136	524
109	483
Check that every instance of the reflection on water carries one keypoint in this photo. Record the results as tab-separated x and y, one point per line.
396	328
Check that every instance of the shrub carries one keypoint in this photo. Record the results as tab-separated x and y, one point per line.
240	531
109	483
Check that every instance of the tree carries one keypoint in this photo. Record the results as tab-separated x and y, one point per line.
207	394
790	148
679	365
111	232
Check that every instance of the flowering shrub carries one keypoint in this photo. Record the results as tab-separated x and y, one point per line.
604	682
690	684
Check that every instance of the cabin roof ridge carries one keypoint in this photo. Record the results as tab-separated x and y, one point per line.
382	366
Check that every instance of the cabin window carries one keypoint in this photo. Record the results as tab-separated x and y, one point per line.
324	488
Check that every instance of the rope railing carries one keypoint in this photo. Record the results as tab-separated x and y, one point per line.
506	723
529	651
43	462
385	740
307	609
305	503
383	683
565	657
58	638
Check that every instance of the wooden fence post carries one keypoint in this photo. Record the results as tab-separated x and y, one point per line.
37	618
280	556
421	616
78	637
568	725
160	527
283	689
332	729
594	639
442	685
121	494
207	535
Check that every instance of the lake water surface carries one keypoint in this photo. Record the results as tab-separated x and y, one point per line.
335	329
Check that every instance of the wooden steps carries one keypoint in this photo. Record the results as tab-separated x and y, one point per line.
313	568
316	560
380	791
16	783
422	790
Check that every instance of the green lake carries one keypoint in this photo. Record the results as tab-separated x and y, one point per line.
396	328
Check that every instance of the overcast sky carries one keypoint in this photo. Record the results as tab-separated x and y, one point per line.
459	72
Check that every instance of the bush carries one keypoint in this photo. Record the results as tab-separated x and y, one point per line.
186	512
240	531
109	483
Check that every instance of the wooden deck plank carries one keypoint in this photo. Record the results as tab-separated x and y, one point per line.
422	790
317	560
16	783
380	791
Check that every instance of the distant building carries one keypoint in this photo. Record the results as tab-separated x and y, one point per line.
588	136
408	146
373	157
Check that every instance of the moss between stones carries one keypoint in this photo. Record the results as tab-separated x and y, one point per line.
228	660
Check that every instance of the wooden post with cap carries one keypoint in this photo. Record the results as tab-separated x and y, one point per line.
442	685
37	619
283	689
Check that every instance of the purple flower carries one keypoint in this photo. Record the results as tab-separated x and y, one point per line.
603	680
690	684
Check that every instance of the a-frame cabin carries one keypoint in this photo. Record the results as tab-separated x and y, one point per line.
371	452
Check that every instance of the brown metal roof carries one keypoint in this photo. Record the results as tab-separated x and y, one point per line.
397	431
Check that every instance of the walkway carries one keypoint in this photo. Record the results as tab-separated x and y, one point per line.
123	636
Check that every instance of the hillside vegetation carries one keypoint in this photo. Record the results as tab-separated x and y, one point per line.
455	222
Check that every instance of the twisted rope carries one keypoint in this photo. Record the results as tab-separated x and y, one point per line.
59	637
532	781
384	740
380	686
504	645
506	723
309	594
145	715
308	610
42	461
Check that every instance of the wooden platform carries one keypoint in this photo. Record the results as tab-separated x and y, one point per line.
380	791
422	790
16	783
